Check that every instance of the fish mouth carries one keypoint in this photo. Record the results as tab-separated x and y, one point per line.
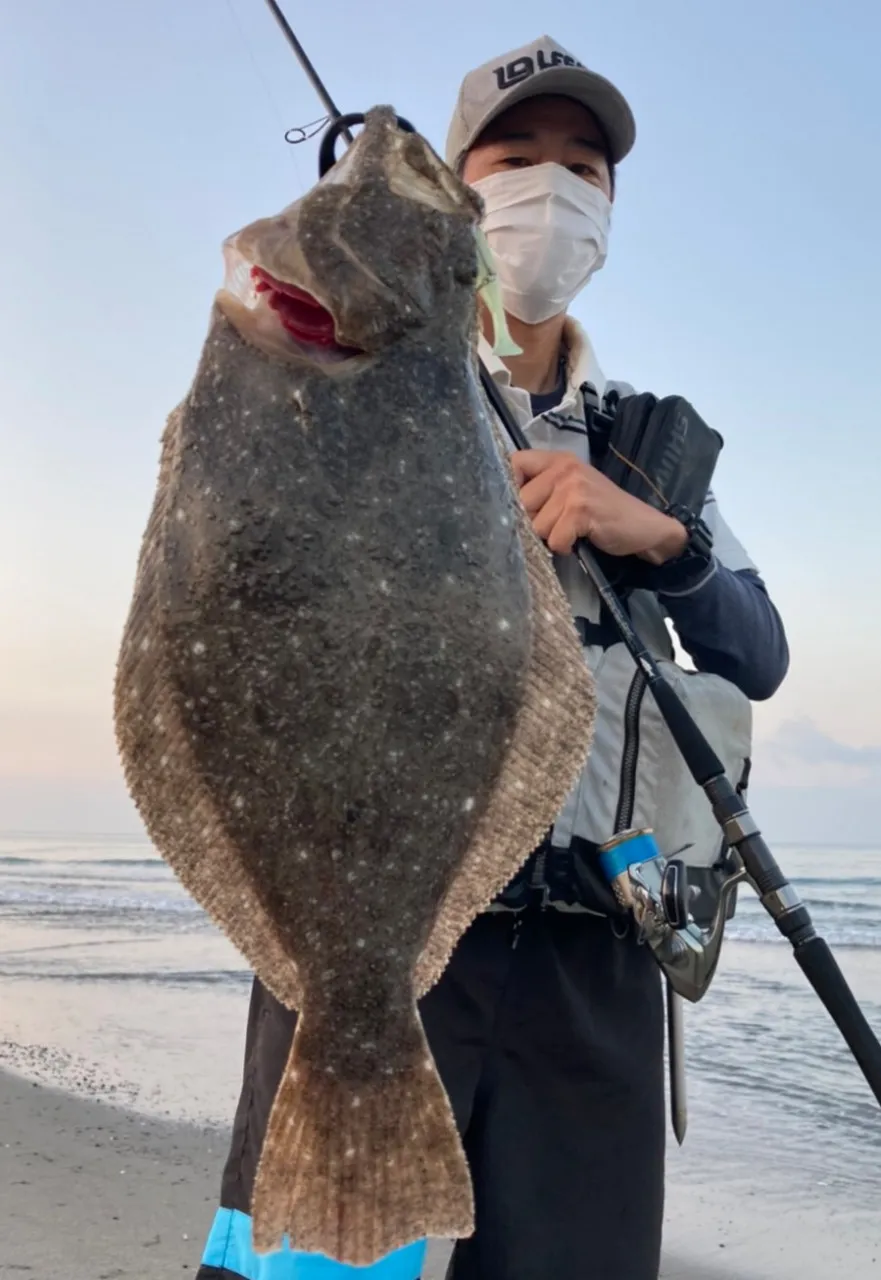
301	315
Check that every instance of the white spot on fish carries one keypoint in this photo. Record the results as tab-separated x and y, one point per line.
198	649
360	943
238	802
385	588
504	624
356	1101
303	855
468	805
157	721
145	644
180	514
350	1153
505	522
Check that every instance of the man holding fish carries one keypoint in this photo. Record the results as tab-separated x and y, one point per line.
546	1025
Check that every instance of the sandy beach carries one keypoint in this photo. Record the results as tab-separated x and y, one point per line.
92	1192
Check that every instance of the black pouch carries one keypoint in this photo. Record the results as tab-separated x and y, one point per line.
660	451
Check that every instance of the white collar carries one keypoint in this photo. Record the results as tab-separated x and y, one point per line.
583	365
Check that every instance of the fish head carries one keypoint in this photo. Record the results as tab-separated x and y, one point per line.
384	244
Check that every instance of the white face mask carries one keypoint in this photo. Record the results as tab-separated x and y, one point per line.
548	231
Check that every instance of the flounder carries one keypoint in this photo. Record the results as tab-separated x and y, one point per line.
350	698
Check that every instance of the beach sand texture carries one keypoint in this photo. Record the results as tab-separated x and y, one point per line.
91	1192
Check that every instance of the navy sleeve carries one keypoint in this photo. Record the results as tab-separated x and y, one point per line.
726	622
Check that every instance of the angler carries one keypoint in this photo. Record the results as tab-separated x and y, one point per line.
547	1026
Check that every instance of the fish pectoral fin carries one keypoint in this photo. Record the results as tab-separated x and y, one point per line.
355	1169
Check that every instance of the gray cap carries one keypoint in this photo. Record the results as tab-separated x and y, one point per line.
538	68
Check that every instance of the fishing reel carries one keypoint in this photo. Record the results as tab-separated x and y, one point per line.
656	890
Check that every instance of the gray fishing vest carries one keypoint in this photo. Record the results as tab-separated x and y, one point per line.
635	775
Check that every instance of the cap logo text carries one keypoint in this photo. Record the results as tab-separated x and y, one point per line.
522	68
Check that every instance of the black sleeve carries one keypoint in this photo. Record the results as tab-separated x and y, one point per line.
727	623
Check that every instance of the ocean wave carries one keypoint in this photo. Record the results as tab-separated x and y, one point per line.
72	902
865	938
12	861
859	882
158	977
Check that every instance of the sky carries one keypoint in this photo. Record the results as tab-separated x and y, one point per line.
744	273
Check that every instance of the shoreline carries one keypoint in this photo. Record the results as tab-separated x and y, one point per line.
96	1192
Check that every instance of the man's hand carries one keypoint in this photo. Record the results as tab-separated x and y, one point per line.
569	499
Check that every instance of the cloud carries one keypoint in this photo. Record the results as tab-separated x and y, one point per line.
800	753
803	740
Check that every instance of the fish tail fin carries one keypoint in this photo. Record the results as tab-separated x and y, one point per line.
358	1163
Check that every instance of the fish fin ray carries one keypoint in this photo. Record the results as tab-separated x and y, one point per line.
184	824
548	750
356	1171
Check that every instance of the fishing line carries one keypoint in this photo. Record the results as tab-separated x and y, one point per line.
264	82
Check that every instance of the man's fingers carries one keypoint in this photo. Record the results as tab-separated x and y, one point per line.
538	491
547	516
528	463
561	538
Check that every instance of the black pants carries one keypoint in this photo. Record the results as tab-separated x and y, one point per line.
547	1030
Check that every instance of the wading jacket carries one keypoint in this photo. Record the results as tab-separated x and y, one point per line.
723	619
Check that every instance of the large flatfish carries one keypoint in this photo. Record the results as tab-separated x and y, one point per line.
350	698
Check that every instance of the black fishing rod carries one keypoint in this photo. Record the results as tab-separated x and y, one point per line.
740	830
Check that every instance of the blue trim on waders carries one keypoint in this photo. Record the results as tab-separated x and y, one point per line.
229	1248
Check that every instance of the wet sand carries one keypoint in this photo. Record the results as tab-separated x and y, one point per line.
93	1192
